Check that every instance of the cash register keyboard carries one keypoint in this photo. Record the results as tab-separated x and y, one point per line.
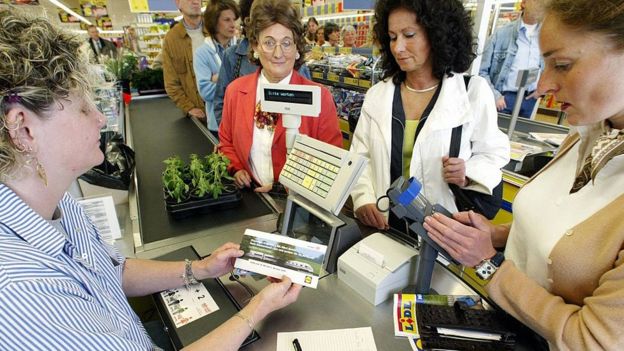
320	172
310	172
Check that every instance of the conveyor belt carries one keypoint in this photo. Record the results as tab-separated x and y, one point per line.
160	130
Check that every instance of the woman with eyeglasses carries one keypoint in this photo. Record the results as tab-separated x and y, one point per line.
255	140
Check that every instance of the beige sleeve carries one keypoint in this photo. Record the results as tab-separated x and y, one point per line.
596	325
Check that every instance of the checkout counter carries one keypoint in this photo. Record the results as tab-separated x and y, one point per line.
156	129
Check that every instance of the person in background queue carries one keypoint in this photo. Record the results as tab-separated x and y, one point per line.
100	48
220	22
179	45
512	48
311	29
320	36
562	271
348	36
331	33
255	140
60	283
406	120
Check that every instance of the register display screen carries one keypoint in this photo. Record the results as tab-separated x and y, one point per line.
306	226
291	96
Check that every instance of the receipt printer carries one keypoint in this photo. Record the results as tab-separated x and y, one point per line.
377	267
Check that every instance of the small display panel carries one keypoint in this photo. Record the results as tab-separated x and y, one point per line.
291	96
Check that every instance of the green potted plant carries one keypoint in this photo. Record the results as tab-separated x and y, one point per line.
216	166
176	188
202	184
123	66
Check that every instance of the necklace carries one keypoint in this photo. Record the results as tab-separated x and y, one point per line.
420	90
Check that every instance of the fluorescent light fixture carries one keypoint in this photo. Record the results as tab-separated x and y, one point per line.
70	11
344	15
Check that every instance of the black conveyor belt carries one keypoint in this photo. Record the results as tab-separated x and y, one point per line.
160	130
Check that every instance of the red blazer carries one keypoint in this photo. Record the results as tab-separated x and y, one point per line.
236	129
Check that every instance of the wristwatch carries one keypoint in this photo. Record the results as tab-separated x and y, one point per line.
488	267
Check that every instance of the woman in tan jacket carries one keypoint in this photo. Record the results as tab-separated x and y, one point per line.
562	272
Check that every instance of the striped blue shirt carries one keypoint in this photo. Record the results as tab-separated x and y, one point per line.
61	291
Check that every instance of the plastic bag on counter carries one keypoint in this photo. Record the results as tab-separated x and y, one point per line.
116	170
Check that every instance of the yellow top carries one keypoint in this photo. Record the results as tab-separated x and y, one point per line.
409	137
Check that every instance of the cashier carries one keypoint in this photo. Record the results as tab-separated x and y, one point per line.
61	286
562	271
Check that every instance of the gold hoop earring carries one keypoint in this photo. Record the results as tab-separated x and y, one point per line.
21	148
41	173
15	127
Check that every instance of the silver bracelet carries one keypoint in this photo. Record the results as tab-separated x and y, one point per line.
248	320
187	277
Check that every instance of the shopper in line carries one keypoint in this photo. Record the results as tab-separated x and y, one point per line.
311	29
320	36
254	140
512	48
332	34
348	36
406	120
562	273
179	45
220	22
61	286
236	63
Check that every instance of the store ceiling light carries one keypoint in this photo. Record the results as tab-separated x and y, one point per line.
70	11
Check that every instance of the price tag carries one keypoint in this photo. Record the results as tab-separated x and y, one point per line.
333	77
317	75
329	49
351	81
345	51
365	83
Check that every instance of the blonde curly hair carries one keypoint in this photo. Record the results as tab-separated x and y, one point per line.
40	64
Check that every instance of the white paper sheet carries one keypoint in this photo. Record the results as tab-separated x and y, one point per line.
354	339
102	212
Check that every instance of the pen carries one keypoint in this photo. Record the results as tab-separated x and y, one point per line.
297	345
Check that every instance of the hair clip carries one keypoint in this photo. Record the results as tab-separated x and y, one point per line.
13	98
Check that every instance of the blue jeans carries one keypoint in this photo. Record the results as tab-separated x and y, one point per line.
526	109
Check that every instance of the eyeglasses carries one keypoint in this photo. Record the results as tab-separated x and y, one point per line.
269	45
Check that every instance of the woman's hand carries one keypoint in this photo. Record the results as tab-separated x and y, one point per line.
220	262
242	179
264	188
467	236
278	294
454	171
370	216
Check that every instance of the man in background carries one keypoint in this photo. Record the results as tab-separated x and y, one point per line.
512	48
179	46
99	46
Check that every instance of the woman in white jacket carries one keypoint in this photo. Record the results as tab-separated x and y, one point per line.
407	118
